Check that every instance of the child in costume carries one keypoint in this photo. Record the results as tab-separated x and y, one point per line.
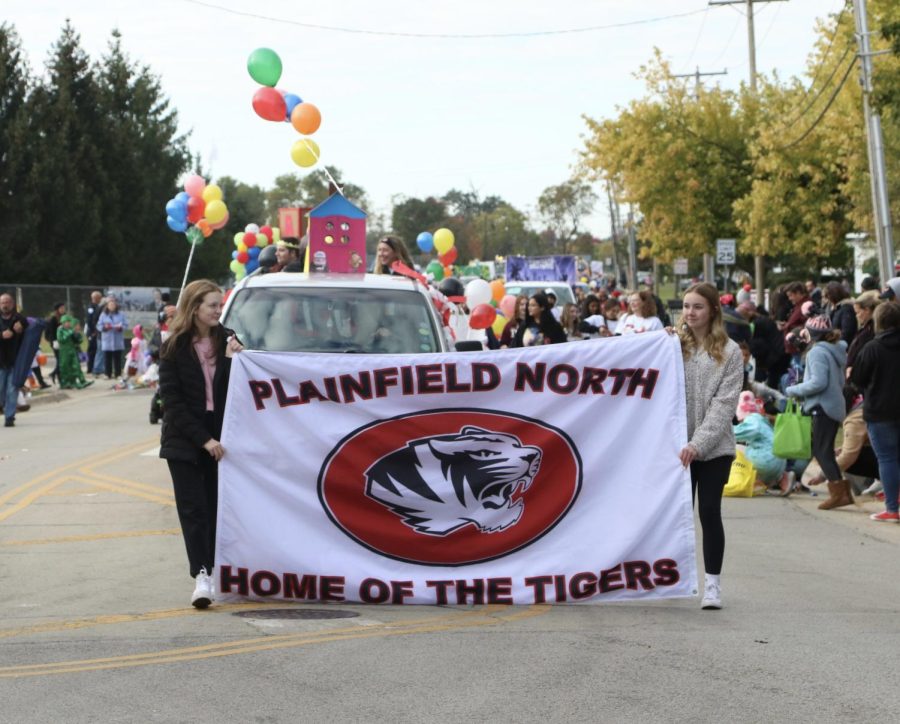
69	337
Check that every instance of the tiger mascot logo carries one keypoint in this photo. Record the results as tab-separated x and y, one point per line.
441	483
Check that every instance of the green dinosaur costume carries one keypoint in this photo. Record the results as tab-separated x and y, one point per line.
70	374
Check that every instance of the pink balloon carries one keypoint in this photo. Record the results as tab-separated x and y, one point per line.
508	306
194	185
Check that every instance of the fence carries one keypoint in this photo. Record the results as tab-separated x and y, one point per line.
140	304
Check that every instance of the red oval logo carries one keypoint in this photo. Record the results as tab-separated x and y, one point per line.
450	487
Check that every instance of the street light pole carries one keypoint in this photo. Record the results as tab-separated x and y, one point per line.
881	207
759	262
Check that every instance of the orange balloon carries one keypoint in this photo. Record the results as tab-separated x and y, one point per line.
498	290
306	118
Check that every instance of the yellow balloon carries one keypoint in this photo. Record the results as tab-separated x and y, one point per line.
443	240
276	234
212	193
499	324
215	211
241	246
305	152
261	240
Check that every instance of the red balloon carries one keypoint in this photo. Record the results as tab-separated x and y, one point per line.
249	239
196	209
243	257
269	104
449	256
267	230
482	316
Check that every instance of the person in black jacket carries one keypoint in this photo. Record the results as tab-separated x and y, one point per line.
540	326
53	322
842	315
875	373
195	362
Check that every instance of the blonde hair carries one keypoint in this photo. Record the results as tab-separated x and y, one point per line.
184	323
716	338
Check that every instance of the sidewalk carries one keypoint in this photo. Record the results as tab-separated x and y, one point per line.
101	385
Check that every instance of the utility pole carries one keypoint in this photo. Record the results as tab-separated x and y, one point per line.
759	265
708	269
881	207
632	251
614	223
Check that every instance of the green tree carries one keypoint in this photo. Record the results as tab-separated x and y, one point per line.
412	216
503	231
311	189
15	153
563	208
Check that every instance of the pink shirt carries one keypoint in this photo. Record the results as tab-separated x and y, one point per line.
204	349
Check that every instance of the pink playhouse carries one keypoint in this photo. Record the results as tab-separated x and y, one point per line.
337	237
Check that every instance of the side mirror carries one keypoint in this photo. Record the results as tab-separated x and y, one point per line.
469	345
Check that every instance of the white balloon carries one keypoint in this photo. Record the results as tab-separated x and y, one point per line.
252	228
478	291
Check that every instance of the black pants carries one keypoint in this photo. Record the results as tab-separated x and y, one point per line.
196	498
91	353
824	430
113	363
708	479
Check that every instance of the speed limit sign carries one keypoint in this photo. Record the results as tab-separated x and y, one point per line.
725	251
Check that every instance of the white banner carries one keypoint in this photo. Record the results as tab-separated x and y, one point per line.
540	475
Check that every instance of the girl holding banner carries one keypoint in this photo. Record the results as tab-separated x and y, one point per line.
195	362
713	371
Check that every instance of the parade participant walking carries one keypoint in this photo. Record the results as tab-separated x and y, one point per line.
875	373
69	337
512	326
53	322
539	326
12	328
713	372
641	315
389	250
195	363
822	393
112	337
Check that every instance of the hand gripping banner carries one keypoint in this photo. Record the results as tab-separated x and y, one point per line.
540	475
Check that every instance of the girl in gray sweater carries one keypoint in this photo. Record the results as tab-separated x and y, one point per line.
713	375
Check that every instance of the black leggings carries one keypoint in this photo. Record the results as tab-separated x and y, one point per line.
824	431
708	479
113	363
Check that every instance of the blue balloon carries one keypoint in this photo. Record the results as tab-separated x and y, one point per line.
291	101
253	251
176	210
234	254
252	264
178	225
425	241
183	196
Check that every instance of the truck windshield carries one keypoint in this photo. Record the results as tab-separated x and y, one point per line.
333	319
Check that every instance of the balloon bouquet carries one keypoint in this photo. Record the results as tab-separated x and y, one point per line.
196	212
443	242
248	244
272	104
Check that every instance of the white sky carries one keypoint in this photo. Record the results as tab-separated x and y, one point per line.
411	116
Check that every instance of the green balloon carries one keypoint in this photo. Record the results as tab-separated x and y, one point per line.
264	66
436	270
194	235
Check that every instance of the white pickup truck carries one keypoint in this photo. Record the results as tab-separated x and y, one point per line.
371	314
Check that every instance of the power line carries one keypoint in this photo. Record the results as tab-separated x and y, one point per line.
825	85
824	110
837	27
699	35
470	36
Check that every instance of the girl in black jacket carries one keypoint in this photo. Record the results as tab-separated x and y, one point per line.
195	362
540	326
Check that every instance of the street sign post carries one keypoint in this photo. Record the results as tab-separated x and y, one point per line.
725	255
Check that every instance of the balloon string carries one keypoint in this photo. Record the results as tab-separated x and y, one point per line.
187	268
331	178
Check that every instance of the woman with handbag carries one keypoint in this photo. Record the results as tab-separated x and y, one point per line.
823	398
713	373
195	362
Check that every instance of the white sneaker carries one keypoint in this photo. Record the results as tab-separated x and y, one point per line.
712	596
203	593
875	487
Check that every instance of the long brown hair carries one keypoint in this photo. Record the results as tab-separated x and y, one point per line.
716	339
399	248
184	324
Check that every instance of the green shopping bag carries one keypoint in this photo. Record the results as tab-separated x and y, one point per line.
793	433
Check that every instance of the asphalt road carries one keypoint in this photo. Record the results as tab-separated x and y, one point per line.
96	626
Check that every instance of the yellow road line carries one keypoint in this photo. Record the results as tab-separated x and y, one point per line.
96	459
129	491
152	489
481	617
117	618
90	537
34	495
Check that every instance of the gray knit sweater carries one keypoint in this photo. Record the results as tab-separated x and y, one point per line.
712	391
